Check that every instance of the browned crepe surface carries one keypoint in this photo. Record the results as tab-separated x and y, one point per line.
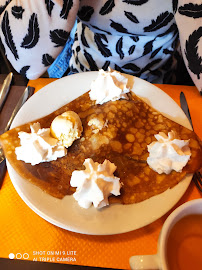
130	127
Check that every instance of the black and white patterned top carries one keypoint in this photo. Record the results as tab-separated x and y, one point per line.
139	37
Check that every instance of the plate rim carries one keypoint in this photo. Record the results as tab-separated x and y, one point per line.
36	209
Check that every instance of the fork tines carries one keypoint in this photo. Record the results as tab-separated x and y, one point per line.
197	178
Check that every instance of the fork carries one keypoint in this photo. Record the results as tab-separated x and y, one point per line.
197	177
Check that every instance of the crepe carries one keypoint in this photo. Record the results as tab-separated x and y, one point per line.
128	127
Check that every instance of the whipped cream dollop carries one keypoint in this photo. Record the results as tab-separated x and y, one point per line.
108	86
168	153
39	146
67	128
95	184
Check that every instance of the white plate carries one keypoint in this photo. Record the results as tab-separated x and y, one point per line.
66	213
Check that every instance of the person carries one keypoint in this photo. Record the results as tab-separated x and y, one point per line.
144	38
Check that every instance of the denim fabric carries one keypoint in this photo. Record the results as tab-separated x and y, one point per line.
61	63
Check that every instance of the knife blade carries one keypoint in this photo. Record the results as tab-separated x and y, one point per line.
185	108
5	89
26	94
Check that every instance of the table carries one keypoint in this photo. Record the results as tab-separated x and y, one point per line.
18	80
24	233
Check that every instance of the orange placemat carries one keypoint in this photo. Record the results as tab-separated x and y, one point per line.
25	235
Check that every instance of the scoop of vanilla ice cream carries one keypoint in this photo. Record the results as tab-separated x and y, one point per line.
67	127
39	146
168	153
95	184
109	86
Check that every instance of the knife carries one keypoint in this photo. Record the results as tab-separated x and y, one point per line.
5	89
185	108
26	94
